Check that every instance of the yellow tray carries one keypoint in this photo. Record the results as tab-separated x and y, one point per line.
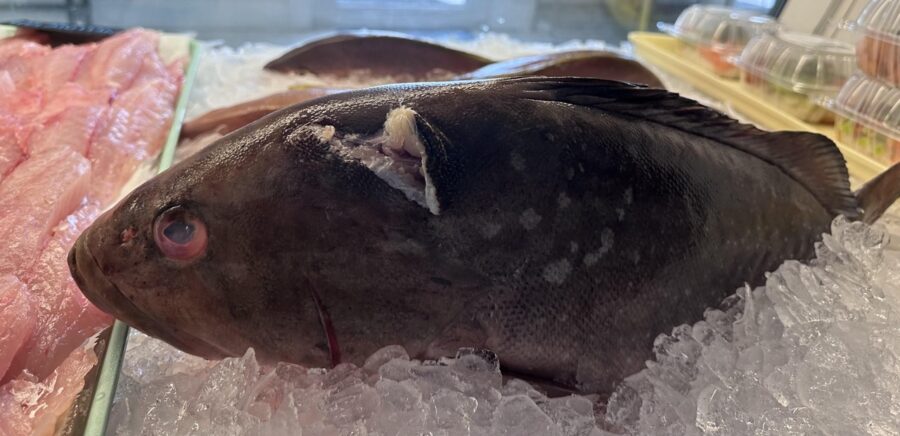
665	52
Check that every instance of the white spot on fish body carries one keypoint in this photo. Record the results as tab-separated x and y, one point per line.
606	243
401	133
529	219
573	246
629	196
563	200
490	230
517	161
620	212
557	272
325	133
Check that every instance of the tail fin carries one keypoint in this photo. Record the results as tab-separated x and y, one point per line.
879	194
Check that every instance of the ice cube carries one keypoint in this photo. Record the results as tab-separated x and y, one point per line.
518	415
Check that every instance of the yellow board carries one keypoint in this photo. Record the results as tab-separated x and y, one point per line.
667	54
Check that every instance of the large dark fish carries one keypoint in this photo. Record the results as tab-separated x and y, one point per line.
561	223
379	54
597	64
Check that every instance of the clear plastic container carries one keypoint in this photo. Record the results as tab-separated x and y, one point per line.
718	34
868	117
878	48
795	70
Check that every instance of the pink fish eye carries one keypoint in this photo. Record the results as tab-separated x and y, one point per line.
180	234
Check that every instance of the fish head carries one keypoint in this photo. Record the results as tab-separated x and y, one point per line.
184	257
278	237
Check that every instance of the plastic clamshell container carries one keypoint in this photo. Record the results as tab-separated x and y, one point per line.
664	52
868	117
718	34
794	70
878	47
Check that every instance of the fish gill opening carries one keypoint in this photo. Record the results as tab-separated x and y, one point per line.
395	154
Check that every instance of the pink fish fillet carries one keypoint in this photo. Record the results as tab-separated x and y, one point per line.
64	316
61	66
10	152
69	120
17	319
20	58
16	100
38	194
134	132
118	60
29	406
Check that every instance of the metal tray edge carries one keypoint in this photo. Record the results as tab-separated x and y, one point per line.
111	361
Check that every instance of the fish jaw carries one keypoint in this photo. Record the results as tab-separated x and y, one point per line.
104	294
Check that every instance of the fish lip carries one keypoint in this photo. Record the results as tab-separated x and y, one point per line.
99	290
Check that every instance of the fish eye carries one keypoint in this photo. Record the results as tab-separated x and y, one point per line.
180	234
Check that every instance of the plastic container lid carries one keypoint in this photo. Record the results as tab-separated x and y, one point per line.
869	101
880	18
717	26
806	64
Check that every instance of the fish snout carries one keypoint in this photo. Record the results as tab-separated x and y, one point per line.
88	276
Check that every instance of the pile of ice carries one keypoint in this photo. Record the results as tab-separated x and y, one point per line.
389	395
815	351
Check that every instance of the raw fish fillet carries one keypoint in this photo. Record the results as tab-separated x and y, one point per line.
61	66
16	319
32	407
17	101
64	316
118	60
69	120
135	130
34	199
152	67
10	152
19	57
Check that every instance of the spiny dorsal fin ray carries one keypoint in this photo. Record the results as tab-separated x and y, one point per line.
811	159
879	194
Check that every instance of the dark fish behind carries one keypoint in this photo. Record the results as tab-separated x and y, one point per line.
227	119
377	55
596	64
585	63
561	223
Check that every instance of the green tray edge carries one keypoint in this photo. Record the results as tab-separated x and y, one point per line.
111	365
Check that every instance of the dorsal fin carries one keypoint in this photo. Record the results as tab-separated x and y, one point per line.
879	193
811	159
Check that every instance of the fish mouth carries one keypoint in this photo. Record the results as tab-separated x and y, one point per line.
105	294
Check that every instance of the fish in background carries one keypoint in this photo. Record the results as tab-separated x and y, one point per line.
398	58
343	60
376	54
230	118
561	223
597	64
